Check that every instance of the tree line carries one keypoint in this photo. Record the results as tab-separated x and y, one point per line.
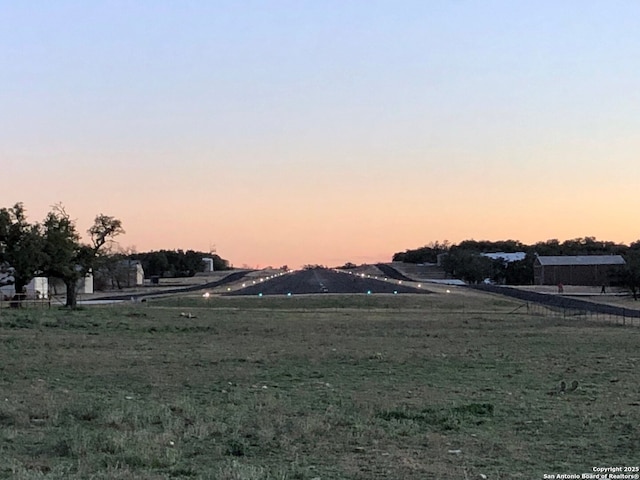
176	263
466	262
115	268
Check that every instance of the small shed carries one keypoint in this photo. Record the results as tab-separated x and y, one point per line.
592	270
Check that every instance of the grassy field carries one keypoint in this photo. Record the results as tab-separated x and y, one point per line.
459	386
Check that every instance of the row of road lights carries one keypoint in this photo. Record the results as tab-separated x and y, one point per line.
206	295
375	277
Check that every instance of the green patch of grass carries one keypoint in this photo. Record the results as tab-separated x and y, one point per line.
464	299
443	419
253	389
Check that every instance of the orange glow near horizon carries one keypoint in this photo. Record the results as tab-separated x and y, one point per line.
309	219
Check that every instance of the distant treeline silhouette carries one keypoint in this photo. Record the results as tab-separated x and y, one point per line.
465	261
176	263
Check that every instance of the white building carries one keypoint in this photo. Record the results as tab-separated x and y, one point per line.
208	264
38	287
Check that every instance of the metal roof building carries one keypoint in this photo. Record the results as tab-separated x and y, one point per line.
594	270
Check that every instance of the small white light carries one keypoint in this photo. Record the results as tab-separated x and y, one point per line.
206	294
448	291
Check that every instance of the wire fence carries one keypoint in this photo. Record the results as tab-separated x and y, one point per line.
534	303
25	302
565	307
620	318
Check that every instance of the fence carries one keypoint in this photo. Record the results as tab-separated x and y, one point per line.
557	305
25	302
625	317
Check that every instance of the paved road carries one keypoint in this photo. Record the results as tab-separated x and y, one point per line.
232	277
323	280
559	301
393	273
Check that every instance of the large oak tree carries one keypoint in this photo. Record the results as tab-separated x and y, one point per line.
68	258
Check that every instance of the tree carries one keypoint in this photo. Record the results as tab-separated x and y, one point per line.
427	254
155	263
110	269
520	272
579	246
347	266
67	258
177	263
103	230
629	278
467	265
20	247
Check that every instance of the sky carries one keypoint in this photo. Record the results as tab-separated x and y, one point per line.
324	132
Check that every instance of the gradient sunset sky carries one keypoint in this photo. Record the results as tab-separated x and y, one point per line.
294	132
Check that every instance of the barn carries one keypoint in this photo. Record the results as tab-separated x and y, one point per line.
594	270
